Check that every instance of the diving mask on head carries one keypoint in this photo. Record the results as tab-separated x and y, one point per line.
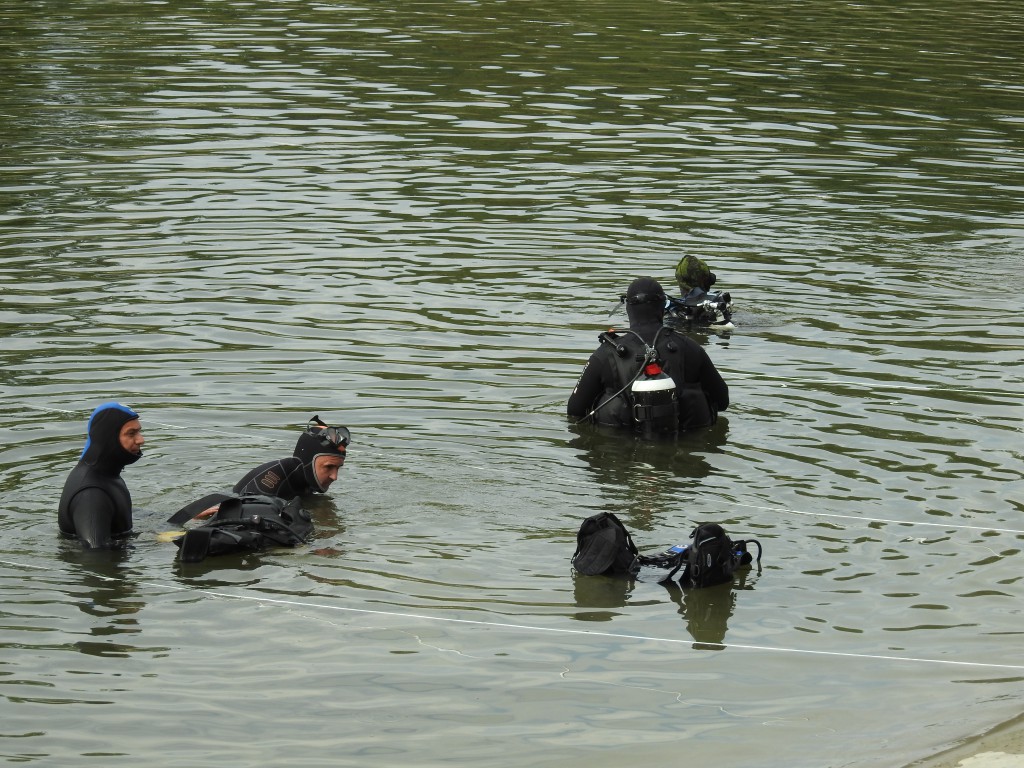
336	437
642	298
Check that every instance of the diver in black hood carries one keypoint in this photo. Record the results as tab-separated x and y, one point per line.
312	467
95	505
648	354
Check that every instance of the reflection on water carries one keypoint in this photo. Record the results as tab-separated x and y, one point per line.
416	218
706	611
106	595
645	478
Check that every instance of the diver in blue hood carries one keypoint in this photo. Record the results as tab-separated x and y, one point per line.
319	454
95	505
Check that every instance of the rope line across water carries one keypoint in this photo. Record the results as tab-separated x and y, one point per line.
695	645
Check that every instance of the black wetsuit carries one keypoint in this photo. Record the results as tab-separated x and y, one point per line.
95	505
700	388
289	477
284	478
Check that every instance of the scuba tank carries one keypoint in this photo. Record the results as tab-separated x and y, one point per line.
655	406
647	401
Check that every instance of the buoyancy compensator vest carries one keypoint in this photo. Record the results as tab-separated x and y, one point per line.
629	355
605	547
247	523
646	399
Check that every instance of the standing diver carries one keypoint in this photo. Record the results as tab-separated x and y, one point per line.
95	505
650	379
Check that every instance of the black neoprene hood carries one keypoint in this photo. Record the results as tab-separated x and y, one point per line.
103	448
645	301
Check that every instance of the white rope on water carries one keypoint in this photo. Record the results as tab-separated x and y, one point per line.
693	644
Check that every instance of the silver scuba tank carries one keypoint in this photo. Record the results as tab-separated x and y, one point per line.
655	406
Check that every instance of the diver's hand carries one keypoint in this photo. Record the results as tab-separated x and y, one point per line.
208	512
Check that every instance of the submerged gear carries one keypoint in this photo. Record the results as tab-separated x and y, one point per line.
95	505
700	307
713	557
605	547
247	523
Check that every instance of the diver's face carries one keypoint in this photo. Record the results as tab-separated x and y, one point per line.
326	469
131	437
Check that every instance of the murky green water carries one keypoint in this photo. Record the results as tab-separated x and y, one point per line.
415	218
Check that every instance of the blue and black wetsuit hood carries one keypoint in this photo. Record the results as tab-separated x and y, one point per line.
312	444
103	450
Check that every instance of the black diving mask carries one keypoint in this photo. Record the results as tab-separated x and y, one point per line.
329	436
642	298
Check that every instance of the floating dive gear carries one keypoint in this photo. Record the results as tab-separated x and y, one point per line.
247	523
605	547
700	307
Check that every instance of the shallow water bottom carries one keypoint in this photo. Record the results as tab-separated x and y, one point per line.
1001	747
